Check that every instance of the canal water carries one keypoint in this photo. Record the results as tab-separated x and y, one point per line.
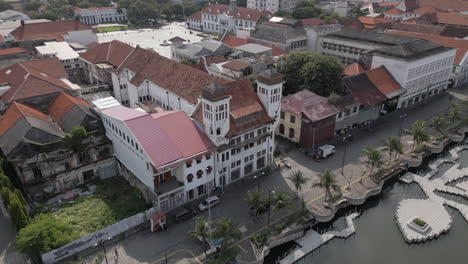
378	239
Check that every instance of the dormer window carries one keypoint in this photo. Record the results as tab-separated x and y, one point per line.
248	16
209	10
238	14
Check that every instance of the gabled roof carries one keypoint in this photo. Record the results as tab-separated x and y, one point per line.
236	65
353	69
420	28
278	33
371	22
452	18
460	44
168	136
15	112
114	53
412	50
62	104
48	30
458	5
196	16
33	78
408	5
180	79
239	12
394	11
94	8
123	113
233	41
373	87
313	106
15	50
455	32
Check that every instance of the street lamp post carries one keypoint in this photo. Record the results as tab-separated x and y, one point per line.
402	117
258	180
269	205
102	242
345	140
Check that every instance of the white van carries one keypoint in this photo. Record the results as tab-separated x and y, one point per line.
208	203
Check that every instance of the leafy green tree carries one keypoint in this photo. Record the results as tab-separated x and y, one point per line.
142	11
298	179
373	159
226	229
419	132
4	181
440	124
306	12
357	12
333	98
5	6
262	19
188	61
255	200
75	138
201	231
328	183
307	3
44	234
329	16
5	193
32	6
309	70
453	114
280	200
284	14
393	146
17	211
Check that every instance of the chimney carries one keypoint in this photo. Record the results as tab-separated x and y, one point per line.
232	5
22	22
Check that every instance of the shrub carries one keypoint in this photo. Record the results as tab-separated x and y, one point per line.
17	210
419	222
5	192
43	235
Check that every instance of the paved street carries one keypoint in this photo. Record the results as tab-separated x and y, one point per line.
145	247
8	252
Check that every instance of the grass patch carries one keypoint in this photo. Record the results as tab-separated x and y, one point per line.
111	28
113	200
419	222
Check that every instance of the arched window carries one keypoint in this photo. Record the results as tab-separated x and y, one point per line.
209	169
190	177
291	133
199	174
281	129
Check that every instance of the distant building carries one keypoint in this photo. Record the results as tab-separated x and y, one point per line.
195	51
273	6
307	119
12	15
30	35
33	141
67	56
98	15
221	18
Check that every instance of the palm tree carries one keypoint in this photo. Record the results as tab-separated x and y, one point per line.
419	133
280	200
255	200
298	179
440	124
393	146
453	114
201	231
374	158
226	230
328	183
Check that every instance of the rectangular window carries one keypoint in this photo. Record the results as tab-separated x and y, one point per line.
292	119
282	115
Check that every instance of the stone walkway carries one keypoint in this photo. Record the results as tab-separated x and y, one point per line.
432	210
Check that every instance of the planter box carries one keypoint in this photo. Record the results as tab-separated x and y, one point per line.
418	228
456	137
414	161
436	147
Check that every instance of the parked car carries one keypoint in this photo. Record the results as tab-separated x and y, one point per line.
208	203
184	215
324	151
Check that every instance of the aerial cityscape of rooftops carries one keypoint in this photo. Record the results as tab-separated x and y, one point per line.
237	131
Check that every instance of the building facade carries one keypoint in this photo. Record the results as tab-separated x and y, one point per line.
98	15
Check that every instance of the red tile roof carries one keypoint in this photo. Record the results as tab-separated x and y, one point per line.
33	78
353	69
240	12
452	19
373	87
169	136
236	65
62	104
15	112
196	16
418	28
460	44
459	5
425	10
371	22
10	51
233	41
178	78
48	30
215	59
394	11
94	8
114	53
123	113
313	106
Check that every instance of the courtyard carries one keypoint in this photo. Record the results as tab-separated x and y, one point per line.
156	39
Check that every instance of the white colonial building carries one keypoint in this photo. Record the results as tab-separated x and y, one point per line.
239	122
221	18
98	15
273	5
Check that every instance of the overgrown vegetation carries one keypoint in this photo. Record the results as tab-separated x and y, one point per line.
113	200
111	28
